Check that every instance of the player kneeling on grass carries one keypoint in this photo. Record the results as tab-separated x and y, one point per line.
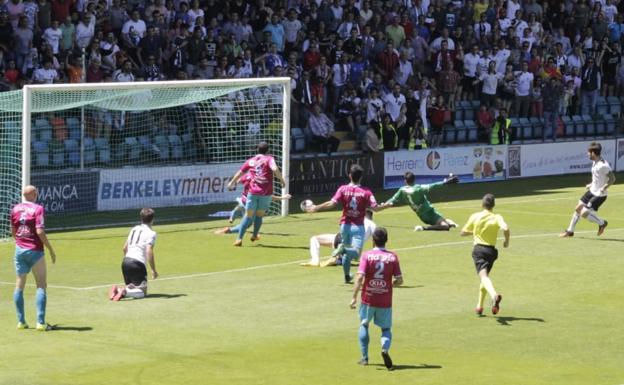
138	250
416	196
335	240
379	271
484	226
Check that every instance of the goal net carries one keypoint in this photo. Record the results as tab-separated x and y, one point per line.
99	152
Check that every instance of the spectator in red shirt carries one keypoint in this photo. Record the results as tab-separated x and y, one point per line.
485	121
437	118
61	9
387	61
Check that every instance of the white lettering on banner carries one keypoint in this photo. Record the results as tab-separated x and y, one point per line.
165	186
63	192
471	164
558	158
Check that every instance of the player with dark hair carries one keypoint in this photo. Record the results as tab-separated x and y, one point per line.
484	226
596	194
262	168
28	229
416	196
138	251
334	240
378	273
355	199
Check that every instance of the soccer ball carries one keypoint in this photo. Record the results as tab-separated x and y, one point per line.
305	205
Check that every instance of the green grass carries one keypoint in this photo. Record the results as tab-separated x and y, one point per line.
254	316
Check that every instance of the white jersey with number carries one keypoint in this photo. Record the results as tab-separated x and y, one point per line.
600	177
139	238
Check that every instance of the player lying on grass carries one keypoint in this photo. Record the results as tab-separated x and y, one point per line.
596	194
138	251
416	196
354	199
243	198
378	273
334	240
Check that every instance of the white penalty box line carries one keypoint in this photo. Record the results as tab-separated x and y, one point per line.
273	265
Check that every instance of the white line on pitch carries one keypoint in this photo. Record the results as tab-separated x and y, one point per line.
259	267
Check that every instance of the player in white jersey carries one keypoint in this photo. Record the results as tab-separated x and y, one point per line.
334	240
596	195
138	252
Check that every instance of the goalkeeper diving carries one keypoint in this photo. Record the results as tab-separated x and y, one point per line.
416	196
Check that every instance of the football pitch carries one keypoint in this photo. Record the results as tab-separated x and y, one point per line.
252	315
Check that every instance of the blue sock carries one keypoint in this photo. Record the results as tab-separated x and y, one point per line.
257	225
41	306
245	223
349	254
363	336
18	298
386	339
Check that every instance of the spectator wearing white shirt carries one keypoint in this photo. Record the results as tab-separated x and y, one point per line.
85	31
471	67
501	55
405	69
513	6
340	78
489	85
436	44
135	26
522	99
482	28
124	74
393	102
46	74
53	35
292	26
374	107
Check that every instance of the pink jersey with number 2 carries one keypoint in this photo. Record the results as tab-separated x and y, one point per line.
379	267
26	218
355	200
261	169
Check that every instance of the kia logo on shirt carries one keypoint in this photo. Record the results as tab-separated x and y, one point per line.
433	160
377	283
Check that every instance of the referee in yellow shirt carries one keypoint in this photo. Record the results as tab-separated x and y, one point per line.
484	226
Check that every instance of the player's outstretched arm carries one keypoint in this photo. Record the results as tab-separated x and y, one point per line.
232	183
507	234
278	175
358	285
610	181
281	197
323	206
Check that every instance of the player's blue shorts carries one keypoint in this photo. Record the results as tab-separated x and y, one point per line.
382	316
352	235
258	202
25	259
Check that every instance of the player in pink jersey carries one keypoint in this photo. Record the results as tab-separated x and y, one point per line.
355	199
245	180
28	229
378	268
262	168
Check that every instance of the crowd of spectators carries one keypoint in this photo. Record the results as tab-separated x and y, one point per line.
396	67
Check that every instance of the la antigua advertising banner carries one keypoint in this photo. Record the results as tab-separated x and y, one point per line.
555	158
133	188
470	164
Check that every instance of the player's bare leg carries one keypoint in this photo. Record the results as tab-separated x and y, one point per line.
315	248
39	271
486	282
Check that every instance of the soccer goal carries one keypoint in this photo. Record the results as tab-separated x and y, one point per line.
98	152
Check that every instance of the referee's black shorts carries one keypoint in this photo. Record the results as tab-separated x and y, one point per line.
134	272
592	201
484	257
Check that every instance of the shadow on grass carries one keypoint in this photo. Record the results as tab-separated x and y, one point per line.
407	287
62	328
408	367
279	234
166	296
602	239
282	247
505	321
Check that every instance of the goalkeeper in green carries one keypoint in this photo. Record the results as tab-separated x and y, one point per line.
416	196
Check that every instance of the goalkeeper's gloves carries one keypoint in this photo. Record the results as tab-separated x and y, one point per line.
451	179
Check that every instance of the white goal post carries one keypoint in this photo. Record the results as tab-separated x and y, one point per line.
153	132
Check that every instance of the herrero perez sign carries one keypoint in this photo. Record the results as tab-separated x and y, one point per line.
323	174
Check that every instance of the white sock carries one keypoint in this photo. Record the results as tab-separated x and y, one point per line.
135	293
593	217
573	222
315	251
489	286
